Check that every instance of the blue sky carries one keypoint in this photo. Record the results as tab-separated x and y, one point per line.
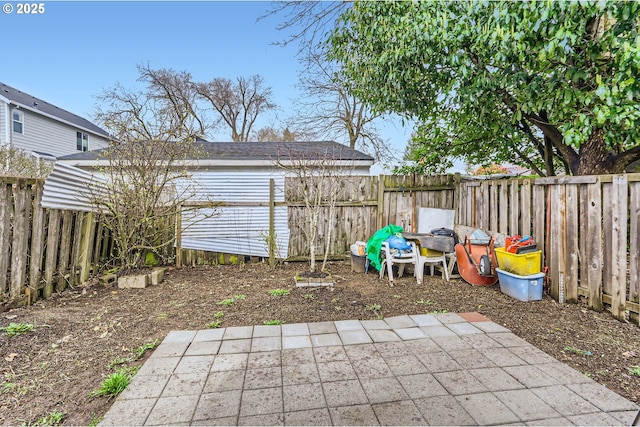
74	50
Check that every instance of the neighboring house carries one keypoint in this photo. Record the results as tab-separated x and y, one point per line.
238	174
43	129
250	157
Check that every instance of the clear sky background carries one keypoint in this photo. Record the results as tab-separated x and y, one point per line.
74	50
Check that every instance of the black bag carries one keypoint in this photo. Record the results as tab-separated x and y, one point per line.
446	232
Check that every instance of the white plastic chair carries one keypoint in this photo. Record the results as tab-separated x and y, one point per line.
400	258
431	261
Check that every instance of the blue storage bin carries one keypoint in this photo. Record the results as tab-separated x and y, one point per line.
523	288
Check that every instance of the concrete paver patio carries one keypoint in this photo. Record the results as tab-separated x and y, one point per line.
445	369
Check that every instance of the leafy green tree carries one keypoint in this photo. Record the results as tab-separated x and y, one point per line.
549	85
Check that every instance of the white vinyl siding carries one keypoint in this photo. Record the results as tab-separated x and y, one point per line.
5	138
49	136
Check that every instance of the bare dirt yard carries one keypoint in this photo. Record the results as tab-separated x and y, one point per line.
87	333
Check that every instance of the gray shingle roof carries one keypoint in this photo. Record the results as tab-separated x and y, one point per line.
309	150
36	104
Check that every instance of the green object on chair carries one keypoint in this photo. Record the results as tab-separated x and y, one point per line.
374	243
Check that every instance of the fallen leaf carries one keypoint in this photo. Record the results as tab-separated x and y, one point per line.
64	339
10	357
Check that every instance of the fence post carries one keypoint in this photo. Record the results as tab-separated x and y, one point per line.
380	217
65	250
272	225
86	243
53	236
179	237
5	234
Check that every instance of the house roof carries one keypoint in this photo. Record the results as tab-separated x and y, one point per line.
251	153
39	106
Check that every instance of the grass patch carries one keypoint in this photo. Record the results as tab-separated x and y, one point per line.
115	383
118	360
278	292
218	315
95	420
372	307
230	301
52	419
7	387
214	324
15	329
273	322
140	351
634	371
309	296
134	355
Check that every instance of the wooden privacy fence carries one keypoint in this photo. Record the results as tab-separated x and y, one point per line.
43	250
366	204
587	227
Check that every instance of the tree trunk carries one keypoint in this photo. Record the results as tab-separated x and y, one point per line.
595	159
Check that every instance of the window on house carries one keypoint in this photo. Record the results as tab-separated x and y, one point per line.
18	122
82	141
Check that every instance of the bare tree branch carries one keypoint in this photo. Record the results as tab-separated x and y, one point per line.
239	104
329	111
308	21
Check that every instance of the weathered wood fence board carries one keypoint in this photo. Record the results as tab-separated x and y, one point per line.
593	245
619	215
37	245
41	247
572	248
634	246
20	238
